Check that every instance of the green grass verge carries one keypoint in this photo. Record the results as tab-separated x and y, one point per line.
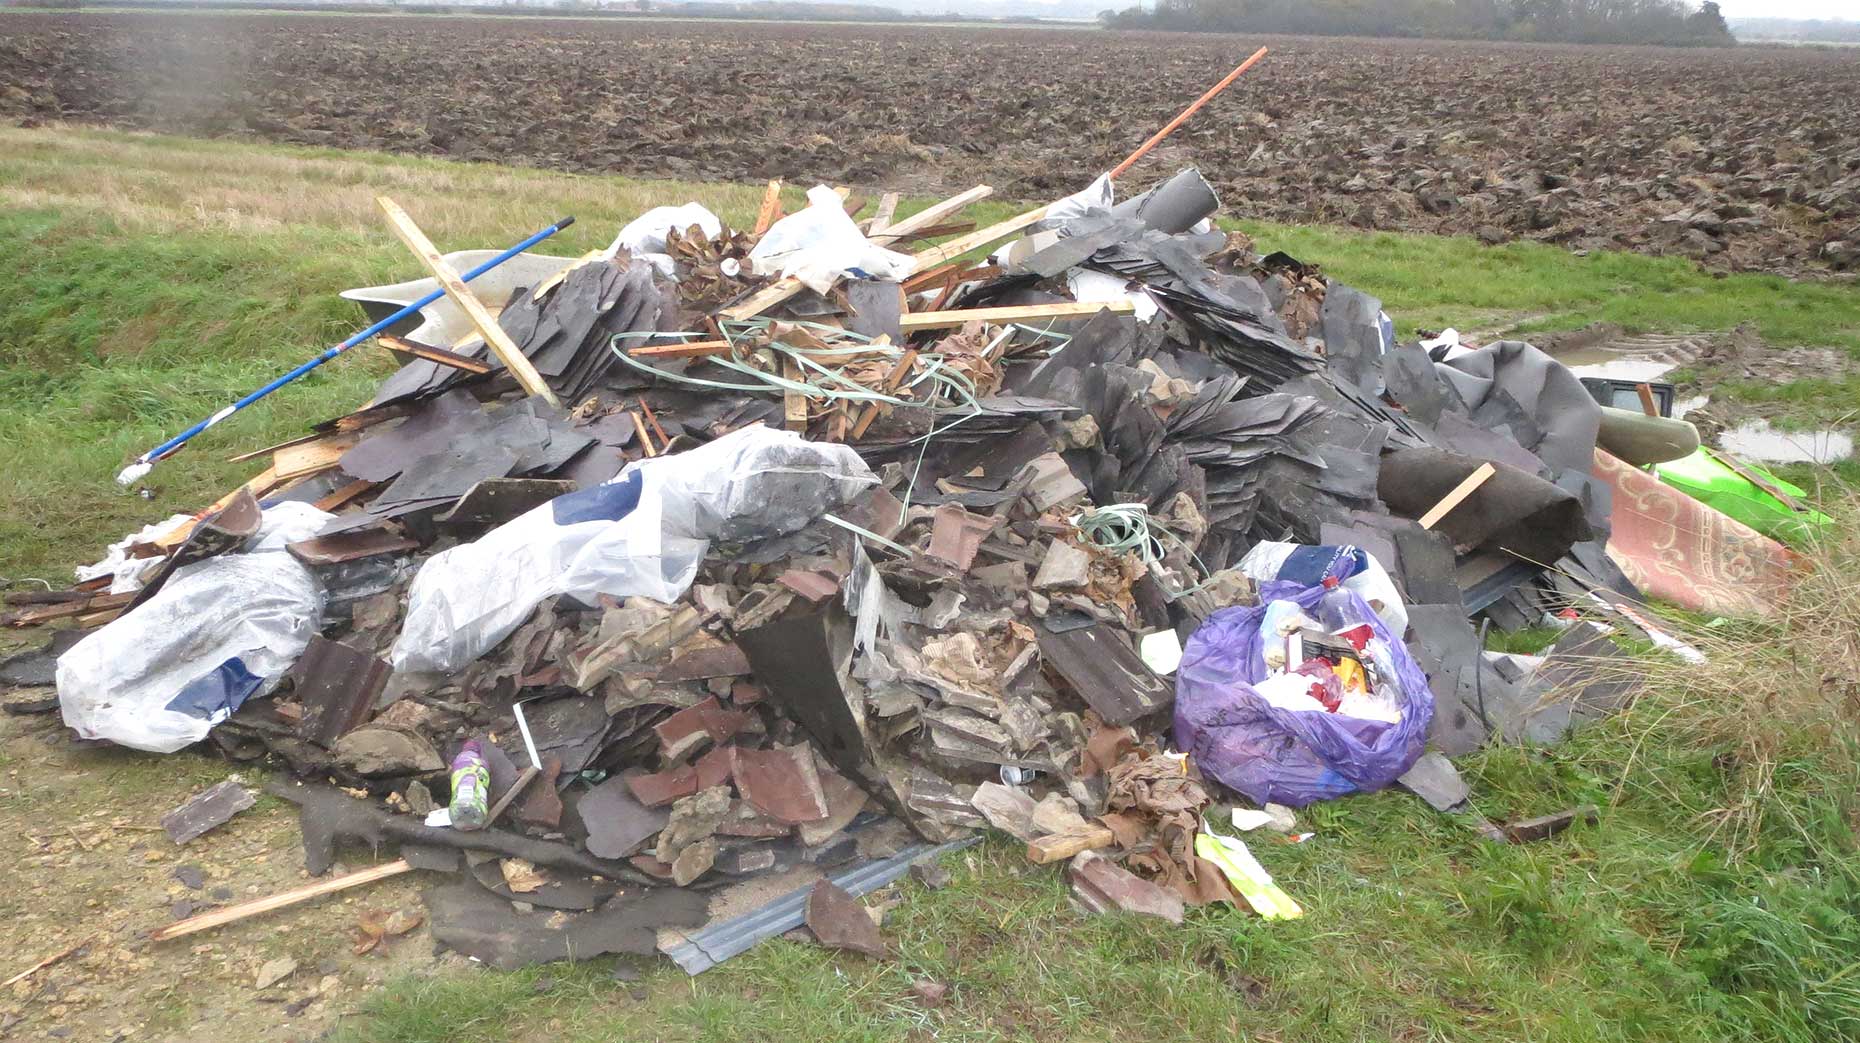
153	279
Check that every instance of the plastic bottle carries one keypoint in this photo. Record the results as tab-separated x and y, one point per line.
471	787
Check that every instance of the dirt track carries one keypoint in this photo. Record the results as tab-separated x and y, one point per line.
1746	158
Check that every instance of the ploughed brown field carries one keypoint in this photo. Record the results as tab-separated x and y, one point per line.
1745	158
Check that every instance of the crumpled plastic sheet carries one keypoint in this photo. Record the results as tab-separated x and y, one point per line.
643	534
820	244
644	237
127	573
219	631
1292	757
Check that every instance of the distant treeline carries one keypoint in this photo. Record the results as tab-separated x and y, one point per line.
1570	21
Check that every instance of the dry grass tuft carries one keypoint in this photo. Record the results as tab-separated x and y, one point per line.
1770	691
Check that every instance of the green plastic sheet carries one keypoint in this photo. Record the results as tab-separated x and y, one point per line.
1707	479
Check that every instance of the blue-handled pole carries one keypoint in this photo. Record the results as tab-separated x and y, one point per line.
144	463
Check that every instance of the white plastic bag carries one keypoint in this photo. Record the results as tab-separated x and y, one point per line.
642	534
821	244
218	632
644	236
1373	584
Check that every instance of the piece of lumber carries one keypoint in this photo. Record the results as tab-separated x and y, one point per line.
937	320
253	454
282	900
654	421
500	343
690	350
301	461
342	496
949	251
1647	404
1458	495
23	598
892	380
32	617
770	210
881	218
97	619
793	403
1544	827
930	215
402	346
47	962
524	777
1060	846
1194	106
1749	474
645	437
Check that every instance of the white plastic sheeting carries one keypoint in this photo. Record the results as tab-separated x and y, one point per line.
127	573
820	245
643	534
644	237
218	632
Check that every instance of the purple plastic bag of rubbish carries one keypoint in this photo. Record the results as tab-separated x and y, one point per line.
1292	757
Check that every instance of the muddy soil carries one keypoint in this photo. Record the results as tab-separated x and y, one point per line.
1745	158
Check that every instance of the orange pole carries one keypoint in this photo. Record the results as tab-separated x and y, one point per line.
1169	128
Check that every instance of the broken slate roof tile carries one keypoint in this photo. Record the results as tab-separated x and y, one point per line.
206	810
782	783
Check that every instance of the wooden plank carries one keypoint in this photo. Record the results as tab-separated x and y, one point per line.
690	350
654	421
794	403
1458	495
930	215
975	240
881	218
260	906
1647	404
400	346
342	496
514	360
253	454
645	437
1061	846
298	461
770	211
892	380
32	617
936	320
1748	474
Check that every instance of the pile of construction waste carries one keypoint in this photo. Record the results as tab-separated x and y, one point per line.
810	550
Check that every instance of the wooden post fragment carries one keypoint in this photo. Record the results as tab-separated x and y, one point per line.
770	211
1059	846
246	910
500	343
1194	106
934	320
881	218
1458	495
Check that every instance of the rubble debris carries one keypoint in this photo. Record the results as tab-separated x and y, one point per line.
337	686
1102	885
474	922
1543	827
274	971
1434	779
207	810
838	921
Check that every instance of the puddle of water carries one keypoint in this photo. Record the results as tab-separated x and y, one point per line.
1757	440
1638	369
1687	405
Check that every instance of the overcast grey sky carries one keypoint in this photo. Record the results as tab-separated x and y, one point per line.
1847	10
